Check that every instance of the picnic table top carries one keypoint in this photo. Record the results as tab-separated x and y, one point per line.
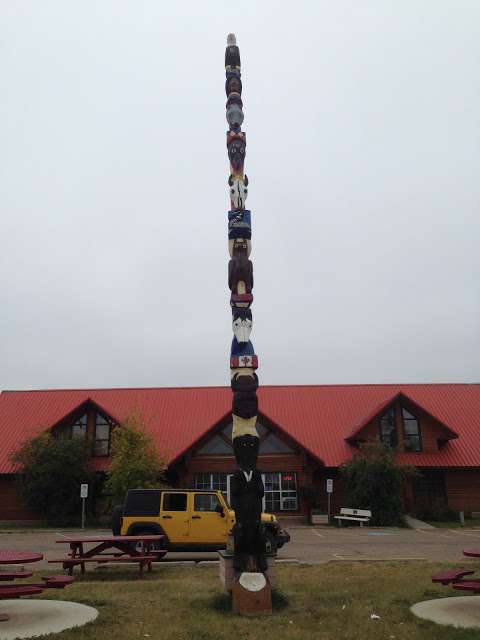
12	556
473	552
145	538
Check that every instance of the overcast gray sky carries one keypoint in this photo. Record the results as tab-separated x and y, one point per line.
363	155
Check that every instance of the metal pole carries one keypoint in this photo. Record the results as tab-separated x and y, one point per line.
83	513
329	508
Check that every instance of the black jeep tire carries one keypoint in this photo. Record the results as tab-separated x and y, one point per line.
117	514
157	546
271	541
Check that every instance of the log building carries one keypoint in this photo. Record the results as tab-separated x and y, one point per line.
306	433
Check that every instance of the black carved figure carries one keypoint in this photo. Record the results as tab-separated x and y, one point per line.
236	145
232	53
240	270
247	491
245	404
244	381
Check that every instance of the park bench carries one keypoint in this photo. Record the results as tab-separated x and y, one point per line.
358	515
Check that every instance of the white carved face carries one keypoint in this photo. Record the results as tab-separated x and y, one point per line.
238	192
242	328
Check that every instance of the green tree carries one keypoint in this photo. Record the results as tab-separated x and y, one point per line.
135	460
51	470
375	481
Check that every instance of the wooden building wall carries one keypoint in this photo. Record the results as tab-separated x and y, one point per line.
463	489
11	507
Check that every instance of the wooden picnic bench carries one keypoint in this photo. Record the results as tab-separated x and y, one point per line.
358	515
120	549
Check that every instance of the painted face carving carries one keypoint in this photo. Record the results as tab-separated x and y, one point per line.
244	380
240	275
238	191
242	323
234	117
236	145
240	247
233	82
246	451
245	404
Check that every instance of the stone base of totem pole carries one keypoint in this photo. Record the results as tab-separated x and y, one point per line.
244	601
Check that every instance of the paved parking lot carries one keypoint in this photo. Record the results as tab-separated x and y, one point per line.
308	544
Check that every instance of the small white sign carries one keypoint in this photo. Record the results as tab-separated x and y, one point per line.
84	490
329	485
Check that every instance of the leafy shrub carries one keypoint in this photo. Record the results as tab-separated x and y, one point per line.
375	481
135	460
51	470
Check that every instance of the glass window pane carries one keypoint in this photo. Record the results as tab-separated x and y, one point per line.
102	431
79	430
174	501
206	502
100	448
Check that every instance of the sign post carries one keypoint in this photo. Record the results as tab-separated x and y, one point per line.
84	496
329	493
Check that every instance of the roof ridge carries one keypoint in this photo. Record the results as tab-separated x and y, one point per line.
226	386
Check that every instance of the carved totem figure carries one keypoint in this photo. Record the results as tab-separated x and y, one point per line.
246	488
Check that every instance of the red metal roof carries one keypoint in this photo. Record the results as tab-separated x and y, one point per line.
319	418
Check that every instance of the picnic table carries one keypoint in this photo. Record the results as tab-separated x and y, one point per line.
138	549
456	577
8	591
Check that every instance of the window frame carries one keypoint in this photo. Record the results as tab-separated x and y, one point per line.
392	410
104	421
405	435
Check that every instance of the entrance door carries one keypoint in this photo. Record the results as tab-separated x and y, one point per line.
174	516
208	524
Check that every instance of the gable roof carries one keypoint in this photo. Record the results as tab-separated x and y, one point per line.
319	418
450	434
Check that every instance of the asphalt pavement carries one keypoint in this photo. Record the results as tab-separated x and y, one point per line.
311	545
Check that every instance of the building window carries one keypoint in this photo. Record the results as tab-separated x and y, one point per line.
209	481
79	428
388	431
280	491
411	432
101	444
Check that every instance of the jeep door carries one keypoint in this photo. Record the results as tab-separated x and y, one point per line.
174	516
208	525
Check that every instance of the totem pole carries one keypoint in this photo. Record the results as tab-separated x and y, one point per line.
246	488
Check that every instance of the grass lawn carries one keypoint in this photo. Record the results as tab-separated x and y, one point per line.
331	601
470	523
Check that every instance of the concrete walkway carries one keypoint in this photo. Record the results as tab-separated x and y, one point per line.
30	618
414	523
462	612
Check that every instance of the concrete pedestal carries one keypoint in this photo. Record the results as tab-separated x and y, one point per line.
228	575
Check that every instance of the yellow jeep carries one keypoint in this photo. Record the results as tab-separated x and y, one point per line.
190	519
